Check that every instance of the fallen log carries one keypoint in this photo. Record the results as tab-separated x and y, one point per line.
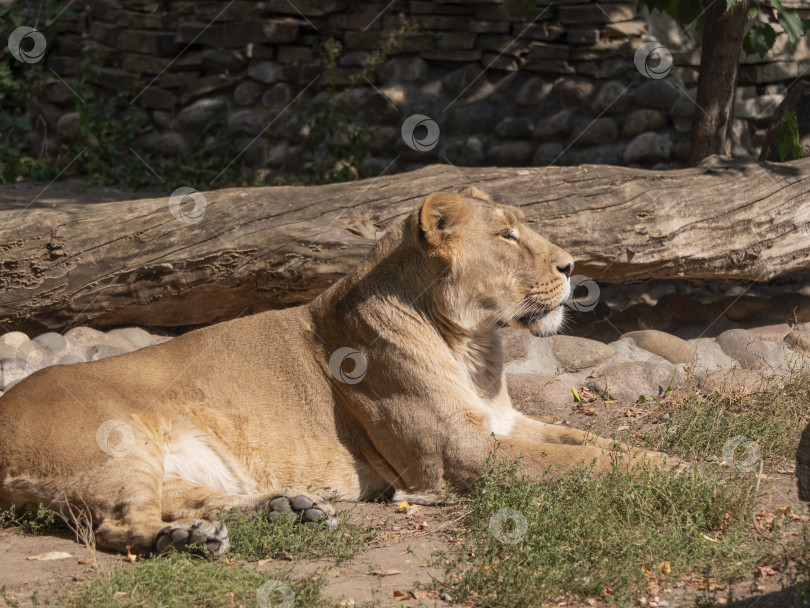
239	251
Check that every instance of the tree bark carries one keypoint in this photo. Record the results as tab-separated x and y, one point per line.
132	262
719	62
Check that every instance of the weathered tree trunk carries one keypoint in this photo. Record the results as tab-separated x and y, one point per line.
719	63
132	262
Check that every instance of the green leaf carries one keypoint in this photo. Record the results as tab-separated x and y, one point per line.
760	39
730	3
790	146
791	22
753	9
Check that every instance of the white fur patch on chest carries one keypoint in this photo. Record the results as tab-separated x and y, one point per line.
189	455
501	421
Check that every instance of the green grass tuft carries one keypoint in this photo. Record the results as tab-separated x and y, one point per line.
593	536
254	538
180	580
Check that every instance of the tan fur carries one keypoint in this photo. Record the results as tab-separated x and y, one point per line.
241	412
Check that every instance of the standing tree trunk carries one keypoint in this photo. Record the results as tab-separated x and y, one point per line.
719	63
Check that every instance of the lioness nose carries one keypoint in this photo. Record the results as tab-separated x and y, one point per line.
563	262
566	270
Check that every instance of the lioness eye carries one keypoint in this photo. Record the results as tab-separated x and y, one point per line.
508	234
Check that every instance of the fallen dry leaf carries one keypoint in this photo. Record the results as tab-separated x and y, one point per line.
404	595
764	571
388	572
50	555
403	507
665	568
783	511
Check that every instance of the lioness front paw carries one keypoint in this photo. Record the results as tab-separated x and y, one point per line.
185	536
309	509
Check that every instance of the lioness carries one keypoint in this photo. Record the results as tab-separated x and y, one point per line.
250	412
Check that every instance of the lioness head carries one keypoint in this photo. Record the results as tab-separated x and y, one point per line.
496	269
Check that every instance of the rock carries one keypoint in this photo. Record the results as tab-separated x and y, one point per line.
626	350
84	335
671	348
799	339
68	125
533	92
710	357
643	120
464	79
69	359
277	95
12	371
648	148
408	69
547	153
246	121
136	336
627	381
596	132
613	98
515	127
199	112
657	94
102	351
555	126
683	308
735	380
684	107
7	352
746	307
751	352
771	333
531	393
792	307
171	143
573	90
264	71
13	339
643	316
36	355
606	154
514	342
511	154
246	93
576	353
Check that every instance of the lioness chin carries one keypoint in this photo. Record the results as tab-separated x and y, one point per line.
245	414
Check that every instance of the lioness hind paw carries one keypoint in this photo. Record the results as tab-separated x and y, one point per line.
308	509
186	536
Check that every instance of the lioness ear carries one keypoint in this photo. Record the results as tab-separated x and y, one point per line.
474	192
439	216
